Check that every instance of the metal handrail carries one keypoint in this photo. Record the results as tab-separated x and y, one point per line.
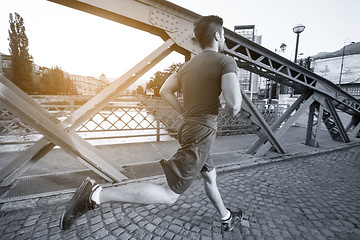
153	114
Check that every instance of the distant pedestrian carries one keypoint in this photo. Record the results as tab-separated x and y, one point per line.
201	80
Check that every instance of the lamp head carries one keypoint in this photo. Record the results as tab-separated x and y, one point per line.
298	28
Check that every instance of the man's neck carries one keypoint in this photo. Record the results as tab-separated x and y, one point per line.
212	48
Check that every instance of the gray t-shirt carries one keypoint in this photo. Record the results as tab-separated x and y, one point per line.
200	80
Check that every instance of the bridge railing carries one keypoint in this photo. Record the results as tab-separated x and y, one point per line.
123	120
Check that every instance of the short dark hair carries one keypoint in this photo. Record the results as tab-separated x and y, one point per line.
205	29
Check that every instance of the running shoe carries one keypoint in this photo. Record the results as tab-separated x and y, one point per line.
79	204
228	225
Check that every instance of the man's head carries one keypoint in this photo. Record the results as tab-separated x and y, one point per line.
208	30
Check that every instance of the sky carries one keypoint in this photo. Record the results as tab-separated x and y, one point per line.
84	44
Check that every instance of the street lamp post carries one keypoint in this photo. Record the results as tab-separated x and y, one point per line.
279	87
342	61
299	28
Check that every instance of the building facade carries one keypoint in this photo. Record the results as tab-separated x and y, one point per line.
249	82
90	86
341	68
5	65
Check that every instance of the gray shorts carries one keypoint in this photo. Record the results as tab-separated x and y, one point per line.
192	157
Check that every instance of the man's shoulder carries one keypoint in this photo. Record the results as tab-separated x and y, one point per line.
223	57
216	58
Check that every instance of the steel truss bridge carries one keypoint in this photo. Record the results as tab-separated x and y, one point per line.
174	25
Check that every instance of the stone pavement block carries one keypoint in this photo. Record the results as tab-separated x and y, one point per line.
96	227
140	234
117	232
109	238
125	236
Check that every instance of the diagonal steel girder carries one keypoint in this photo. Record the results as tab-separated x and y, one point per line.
257	118
165	19
94	105
168	20
157	17
31	113
353	127
264	62
261	146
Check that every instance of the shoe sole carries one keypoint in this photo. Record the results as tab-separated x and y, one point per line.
79	190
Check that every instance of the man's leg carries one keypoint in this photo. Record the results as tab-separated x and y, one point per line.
213	193
142	193
89	193
228	218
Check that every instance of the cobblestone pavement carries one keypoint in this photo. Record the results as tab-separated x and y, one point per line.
311	197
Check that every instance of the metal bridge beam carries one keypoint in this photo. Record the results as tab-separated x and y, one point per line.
314	124
175	26
94	105
254	148
27	110
333	121
263	62
168	20
257	118
354	127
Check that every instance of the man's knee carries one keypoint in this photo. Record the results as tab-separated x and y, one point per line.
209	177
171	195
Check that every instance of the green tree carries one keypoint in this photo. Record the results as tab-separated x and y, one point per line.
55	82
21	60
159	78
140	90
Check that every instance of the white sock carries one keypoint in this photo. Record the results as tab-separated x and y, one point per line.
95	196
227	216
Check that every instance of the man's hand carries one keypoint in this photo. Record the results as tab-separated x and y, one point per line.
168	90
232	112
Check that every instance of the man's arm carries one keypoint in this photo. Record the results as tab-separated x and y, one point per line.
231	90
167	92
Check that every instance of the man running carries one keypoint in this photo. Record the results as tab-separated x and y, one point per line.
202	80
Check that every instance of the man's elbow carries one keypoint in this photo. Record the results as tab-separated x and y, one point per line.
234	107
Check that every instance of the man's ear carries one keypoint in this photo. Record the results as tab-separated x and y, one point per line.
217	36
